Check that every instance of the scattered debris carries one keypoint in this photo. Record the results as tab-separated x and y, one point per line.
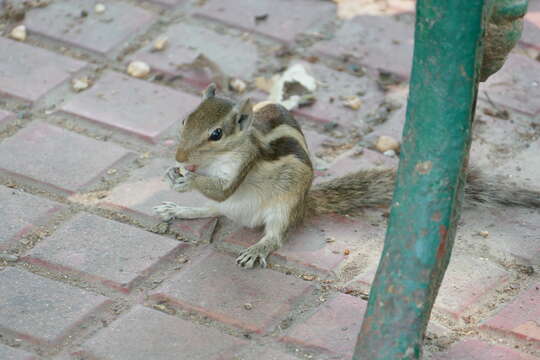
346	252
84	13
80	84
294	88
100	8
501	114
385	143
138	69
483	234
348	9
160	44
248	306
390	153
308	277
352	102
330	239
111	171
18	33
237	85
265	84
259	18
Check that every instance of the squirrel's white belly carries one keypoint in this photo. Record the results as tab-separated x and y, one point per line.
244	206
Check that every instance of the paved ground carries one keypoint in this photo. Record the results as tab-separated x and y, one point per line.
88	273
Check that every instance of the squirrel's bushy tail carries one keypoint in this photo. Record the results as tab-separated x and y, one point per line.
374	188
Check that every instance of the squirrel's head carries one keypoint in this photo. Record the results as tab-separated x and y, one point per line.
217	125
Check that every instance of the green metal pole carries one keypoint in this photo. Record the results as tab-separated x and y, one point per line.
426	202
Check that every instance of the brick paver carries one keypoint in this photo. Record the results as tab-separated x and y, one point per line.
480	350
282	20
41	310
170	299
146	188
76	23
521	317
20	213
8	353
384	43
78	247
232	288
133	106
144	334
234	56
333	327
45	154
28	72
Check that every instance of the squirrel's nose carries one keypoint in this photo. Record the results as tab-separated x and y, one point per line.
181	155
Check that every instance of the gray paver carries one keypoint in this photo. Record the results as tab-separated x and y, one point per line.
9	353
144	334
41	310
80	246
62	160
133	106
235	57
20	213
28	72
62	20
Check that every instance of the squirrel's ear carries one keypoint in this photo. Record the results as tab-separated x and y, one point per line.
244	111
209	92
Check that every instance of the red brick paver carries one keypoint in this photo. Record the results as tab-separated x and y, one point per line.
334	327
41	310
79	247
521	318
233	288
44	154
132	106
76	23
28	72
144	334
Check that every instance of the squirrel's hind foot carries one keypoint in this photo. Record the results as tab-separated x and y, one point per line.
253	256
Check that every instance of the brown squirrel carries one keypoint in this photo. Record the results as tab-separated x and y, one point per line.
253	162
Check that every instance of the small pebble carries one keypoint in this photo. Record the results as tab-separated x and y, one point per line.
8	257
248	306
138	69
330	239
100	8
308	277
80	84
346	251
161	43
483	234
18	33
389	153
385	143
352	102
238	85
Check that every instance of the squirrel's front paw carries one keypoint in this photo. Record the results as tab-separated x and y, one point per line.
167	211
179	178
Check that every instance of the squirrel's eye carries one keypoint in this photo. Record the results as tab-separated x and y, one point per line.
216	135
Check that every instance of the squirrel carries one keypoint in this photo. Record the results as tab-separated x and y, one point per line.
254	163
